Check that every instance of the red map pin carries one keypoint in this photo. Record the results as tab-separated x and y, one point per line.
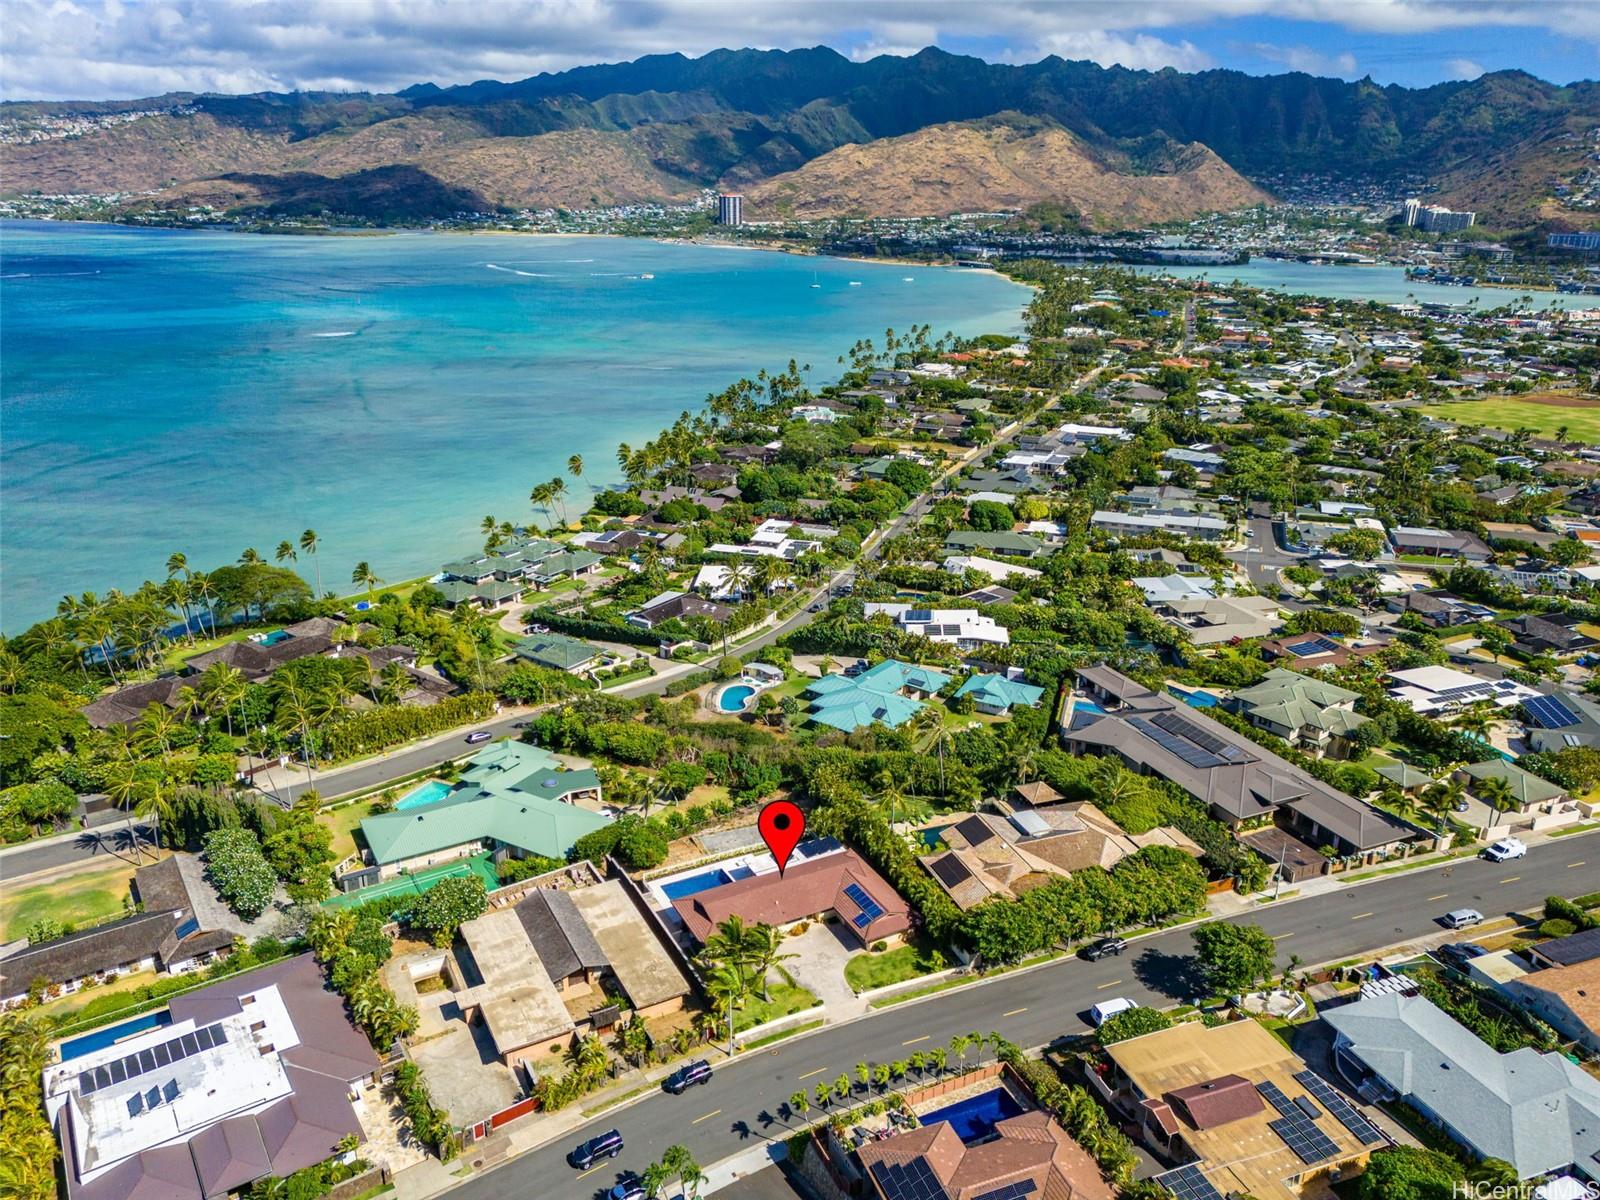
782	825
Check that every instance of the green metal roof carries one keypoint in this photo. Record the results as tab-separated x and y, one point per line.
528	817
555	650
1000	692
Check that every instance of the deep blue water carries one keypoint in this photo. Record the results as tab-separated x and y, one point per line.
974	1118
112	1034
166	390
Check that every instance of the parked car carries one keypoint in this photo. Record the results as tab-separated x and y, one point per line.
1505	850
1459	954
478	735
815	608
1462	918
538	629
585	1154
1463	804
629	1187
1106	1009
1095	951
686	1076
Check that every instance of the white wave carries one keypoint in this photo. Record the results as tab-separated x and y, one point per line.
337	333
577	260
514	271
47	274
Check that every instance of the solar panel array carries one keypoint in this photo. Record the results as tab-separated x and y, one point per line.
1297	1129
1011	1191
164	1054
871	910
1343	1111
914	1180
1549	712
1197	746
1316	645
1187	1183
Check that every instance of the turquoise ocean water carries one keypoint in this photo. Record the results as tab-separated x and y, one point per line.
205	392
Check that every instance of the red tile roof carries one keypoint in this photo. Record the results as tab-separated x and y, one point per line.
807	889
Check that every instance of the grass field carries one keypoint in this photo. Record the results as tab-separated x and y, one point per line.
83	898
1580	419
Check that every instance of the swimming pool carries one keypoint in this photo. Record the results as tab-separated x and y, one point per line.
431	792
932	837
273	638
692	885
1195	699
734	697
112	1034
974	1118
1089	706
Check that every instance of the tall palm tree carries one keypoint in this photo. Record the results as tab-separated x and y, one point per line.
251	557
200	584
558	489
540	498
177	563
364	576
575	466
726	987
766	951
310	543
222	687
155	803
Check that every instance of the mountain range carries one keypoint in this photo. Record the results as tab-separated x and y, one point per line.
812	133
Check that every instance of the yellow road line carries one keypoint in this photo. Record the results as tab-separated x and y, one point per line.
1104	986
1281	936
1579	863
914	1041
1013	1012
809	1074
1360	916
707	1117
1513	879
1440	896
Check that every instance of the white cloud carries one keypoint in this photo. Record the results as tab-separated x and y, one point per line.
1304	58
1463	68
106	48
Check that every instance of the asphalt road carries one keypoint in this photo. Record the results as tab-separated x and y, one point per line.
745	1100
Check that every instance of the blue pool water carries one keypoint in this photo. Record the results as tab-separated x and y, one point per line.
693	884
429	793
974	1119
734	697
101	1038
1195	699
932	836
1088	706
273	638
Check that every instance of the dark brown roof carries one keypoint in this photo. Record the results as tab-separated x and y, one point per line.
1217	1101
126	705
229	1155
559	935
89	952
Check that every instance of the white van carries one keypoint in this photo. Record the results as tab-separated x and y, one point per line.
1106	1009
1505	849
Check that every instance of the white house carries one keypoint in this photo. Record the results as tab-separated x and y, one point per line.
999	572
965	628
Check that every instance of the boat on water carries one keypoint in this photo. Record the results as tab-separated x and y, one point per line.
647	275
855	283
907	278
814	282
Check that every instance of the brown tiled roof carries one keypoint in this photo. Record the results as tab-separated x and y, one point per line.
1577	986
1217	1101
807	889
1038	792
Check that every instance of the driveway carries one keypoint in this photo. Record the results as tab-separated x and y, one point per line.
822	952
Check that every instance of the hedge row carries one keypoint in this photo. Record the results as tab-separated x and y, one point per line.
586	627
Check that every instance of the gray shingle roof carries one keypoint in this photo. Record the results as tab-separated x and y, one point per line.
1536	1111
559	934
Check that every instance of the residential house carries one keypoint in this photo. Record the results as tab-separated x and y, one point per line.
1174	562
491	594
1440	610
1168	589
1560	720
66	964
558	652
675	606
1224	1101
257	1075
1027	1155
997	694
1565	998
1439	543
514	800
1568	951
1012	545
1239	781
964	628
1221	618
889	693
1310	714
567	564
1186	525
1537	1111
1310	651
1445	689
127	704
997	571
1529	794
256	660
514	1000
1555	634
842	885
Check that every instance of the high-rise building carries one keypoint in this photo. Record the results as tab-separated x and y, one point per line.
1413	207
730	209
1436	219
1574	241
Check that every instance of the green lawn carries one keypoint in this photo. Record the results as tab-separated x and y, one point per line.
83	899
343	822
1518	412
866	970
786	999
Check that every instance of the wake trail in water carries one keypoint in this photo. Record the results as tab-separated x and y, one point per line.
514	271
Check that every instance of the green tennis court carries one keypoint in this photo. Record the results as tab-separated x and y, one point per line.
415	884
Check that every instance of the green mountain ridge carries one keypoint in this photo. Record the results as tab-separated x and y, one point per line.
668	125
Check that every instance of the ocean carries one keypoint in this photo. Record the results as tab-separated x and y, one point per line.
172	390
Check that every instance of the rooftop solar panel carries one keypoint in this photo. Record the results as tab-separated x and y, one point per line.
1550	712
1187	1183
1308	1142
870	908
1343	1111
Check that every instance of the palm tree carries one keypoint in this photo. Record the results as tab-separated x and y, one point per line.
251	557
155	804
558	489
1497	794
726	987
540	497
309	542
286	552
575	466
364	576
800	1103
766	943
177	564
222	687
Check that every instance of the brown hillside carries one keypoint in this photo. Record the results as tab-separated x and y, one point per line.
993	165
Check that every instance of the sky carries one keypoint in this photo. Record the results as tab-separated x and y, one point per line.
121	49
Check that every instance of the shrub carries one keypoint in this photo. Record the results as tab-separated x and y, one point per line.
1556	928
240	871
441	910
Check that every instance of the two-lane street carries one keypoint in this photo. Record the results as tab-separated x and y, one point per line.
744	1101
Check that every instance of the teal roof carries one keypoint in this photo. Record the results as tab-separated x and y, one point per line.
1404	775
564	563
1525	788
873	696
1018	545
555	650
1000	692
517	805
